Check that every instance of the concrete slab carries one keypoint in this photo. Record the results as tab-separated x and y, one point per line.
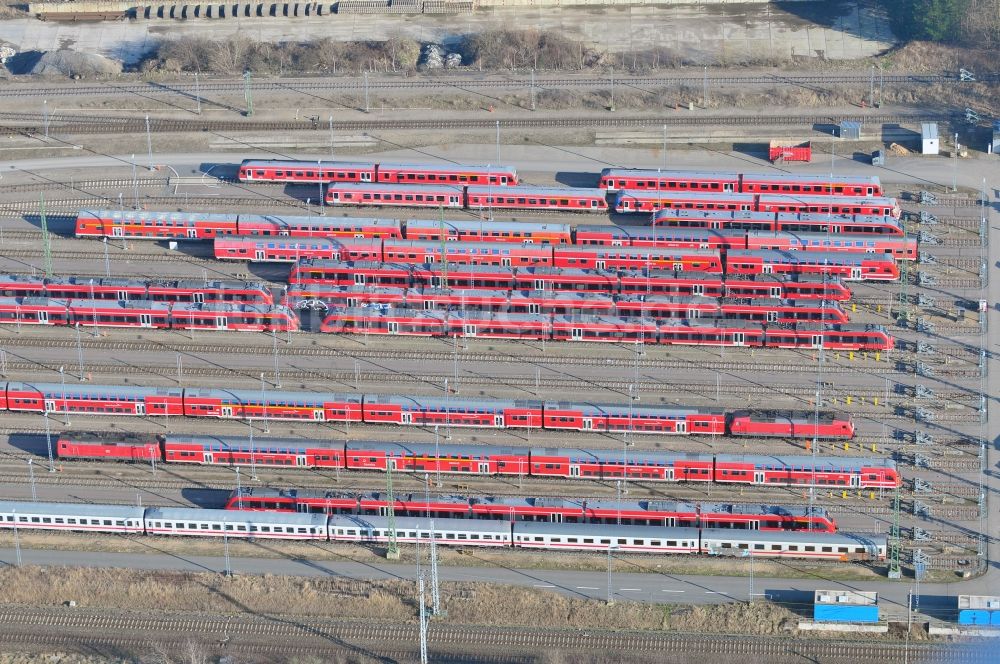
703	33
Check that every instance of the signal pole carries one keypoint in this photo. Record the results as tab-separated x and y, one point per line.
46	242
392	551
247	94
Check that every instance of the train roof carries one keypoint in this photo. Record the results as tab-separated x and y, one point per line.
335	263
73	391
653	252
445	402
488	226
72	509
604	530
619	409
121	305
827	200
393	312
811	257
318	221
236	516
713	215
874	219
164	215
497	248
432	449
110	437
306	164
616	456
259	443
302	242
792	537
825	416
254	396
831	238
472	316
229	307
395	187
667	195
733	176
657	172
753	510
496	527
594	319
538	191
486	169
8	301
550	271
561	296
661	232
808	462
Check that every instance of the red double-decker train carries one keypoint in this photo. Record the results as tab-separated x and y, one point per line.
327	274
565	199
166	290
404	410
551	510
487	460
615	179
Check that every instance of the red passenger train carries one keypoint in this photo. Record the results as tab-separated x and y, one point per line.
733	332
147	314
615	179
337	274
279	170
487	460
76	288
551	510
410	411
628	201
565	199
861	224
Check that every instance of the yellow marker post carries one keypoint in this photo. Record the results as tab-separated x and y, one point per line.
875	400
847	399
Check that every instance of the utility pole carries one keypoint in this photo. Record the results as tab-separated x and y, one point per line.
871	89
331	137
532	89
392	551
17	541
498	142
444	249
895	572
423	623
704	89
31	477
366	92
46	242
135	183
611	107
247	94
664	151
611	592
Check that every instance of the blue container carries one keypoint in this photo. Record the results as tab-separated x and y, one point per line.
973	617
995	618
845	613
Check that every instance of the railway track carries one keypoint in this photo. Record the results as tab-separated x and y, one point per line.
153	202
139	347
285	634
354	84
88	125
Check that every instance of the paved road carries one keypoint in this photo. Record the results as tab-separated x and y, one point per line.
936	600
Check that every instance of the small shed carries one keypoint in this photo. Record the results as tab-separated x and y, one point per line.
850	130
981	610
929	142
847	606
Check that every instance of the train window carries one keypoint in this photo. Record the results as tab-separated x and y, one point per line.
539	539
59	520
758	547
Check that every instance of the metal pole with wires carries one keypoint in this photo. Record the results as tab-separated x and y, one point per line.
31	478
48	442
149	144
435	590
423	621
17	540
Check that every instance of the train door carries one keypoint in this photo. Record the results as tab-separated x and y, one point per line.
534	308
484	468
678	267
227	411
392	327
668	475
588	424
365	176
694	313
727	187
301	461
593	203
391	464
498	420
617	243
869	191
454	201
145	320
50	405
766	269
576	334
359	279
505	261
319	415
856	273
758	477
776	291
772	316
406	418
681	427
539	284
739	338
117	231
469	330
753	525
855	480
354	301
221	323
198	298
556	517
259	255
428	304
574	471
43	317
122	295
817	340
192	233
207	458
698	289
600	265
140	409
